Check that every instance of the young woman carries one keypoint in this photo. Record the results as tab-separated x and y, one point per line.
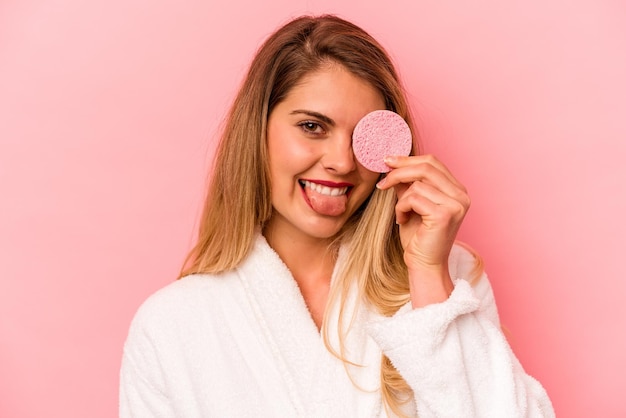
318	288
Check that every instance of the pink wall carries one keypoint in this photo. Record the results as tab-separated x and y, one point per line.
108	109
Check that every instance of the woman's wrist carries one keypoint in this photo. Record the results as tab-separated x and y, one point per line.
429	285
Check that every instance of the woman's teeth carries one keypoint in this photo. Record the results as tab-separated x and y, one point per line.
325	190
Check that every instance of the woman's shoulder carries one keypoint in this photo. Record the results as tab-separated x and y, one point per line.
191	287
188	298
466	264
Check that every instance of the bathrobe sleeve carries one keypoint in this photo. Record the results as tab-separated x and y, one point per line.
456	359
142	384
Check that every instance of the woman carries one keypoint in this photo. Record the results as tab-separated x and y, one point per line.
318	288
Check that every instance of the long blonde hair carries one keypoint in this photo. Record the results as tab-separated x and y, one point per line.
239	203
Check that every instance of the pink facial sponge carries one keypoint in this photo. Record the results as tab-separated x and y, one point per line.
377	135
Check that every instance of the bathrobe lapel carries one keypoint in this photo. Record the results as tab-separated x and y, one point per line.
317	380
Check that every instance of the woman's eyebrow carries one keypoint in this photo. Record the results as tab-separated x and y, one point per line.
314	114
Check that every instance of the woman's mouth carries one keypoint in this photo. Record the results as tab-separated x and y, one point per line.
329	199
324	190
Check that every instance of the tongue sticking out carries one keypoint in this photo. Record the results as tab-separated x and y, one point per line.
326	205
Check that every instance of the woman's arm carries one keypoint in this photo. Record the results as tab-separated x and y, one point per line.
456	359
142	386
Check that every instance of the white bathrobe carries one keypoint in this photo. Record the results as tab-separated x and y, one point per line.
243	344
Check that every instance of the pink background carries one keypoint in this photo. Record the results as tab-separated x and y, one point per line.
108	111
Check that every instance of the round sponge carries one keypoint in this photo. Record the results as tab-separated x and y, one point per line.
377	135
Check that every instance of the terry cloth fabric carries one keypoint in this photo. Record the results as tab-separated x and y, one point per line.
243	344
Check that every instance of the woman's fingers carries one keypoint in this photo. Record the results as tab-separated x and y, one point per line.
424	199
411	168
431	206
427	170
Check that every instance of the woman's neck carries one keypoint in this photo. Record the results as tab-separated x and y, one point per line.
311	262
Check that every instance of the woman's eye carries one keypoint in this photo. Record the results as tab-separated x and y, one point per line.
312	127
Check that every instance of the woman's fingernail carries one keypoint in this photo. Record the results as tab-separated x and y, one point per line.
390	159
381	183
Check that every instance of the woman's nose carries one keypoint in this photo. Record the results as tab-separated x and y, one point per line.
338	156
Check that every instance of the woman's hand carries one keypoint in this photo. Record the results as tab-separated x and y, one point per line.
430	209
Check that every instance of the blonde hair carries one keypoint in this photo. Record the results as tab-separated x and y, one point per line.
238	201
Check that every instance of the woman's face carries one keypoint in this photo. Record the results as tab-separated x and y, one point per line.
316	182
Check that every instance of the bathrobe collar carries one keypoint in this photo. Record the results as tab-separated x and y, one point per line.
307	366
